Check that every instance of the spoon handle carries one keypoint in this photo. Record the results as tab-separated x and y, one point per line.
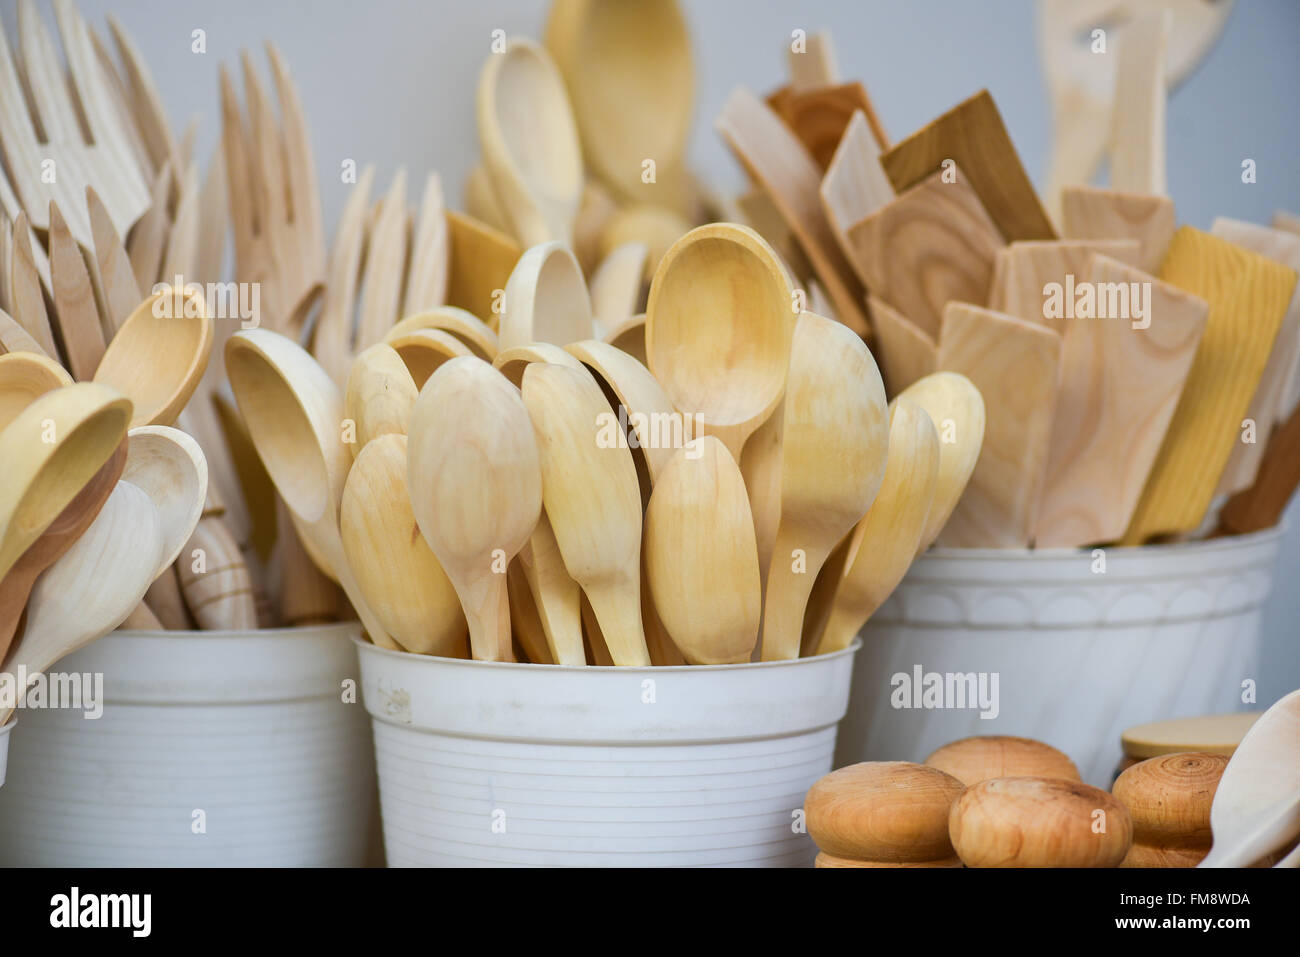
841	629
487	611
618	611
14	589
790	579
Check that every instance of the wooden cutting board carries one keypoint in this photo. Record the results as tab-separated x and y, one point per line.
1275	397
904	351
855	184
1089	212
820	115
1248	296
1016	367
973	134
777	161
1025	268
1119	389
933	244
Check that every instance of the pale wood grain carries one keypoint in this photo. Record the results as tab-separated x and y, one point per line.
819	116
1169	799
1090	212
480	262
905	351
985	756
1016	367
1248	297
1024	268
80	329
855	184
1137	130
25	296
973	134
933	244
815	65
1119	389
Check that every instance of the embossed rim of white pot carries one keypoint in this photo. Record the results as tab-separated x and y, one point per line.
695	704
1056	588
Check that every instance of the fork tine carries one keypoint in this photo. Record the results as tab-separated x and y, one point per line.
266	156
121	100
333	341
381	291
426	278
183	239
145	244
142	94
77	315
25	297
214	218
239	176
120	291
18	141
300	168
47	84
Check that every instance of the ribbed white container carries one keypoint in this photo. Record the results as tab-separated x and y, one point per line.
1166	631
250	728
491	764
4	750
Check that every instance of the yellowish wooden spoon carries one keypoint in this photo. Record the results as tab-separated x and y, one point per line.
530	142
718	329
24	377
546	299
834	442
423	350
592	500
701	556
476	489
885	541
401	577
379	396
465	326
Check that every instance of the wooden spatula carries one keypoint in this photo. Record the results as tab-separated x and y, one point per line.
1089	212
1274	397
855	184
1248	296
1016	367
1137	127
1025	268
1261	506
905	351
820	115
480	262
933	244
974	136
1119	388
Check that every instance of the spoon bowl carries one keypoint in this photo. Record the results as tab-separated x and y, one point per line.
546	299
168	466
25	377
379	396
424	350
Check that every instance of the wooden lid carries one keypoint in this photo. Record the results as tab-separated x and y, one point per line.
972	760
883	811
1169	797
1039	822
1213	734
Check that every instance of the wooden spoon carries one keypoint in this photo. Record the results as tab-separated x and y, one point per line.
701	555
629	336
530	142
94	586
616	285
629	72
834	412
293	411
512	362
476	489
465	326
1256	809
423	350
24	377
159	354
407	588
886	540
71	523
479	262
87	423
379	396
546	299
718	330
593	502
168	466
956	408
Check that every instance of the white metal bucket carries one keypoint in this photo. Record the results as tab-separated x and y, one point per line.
492	764
1165	631
214	749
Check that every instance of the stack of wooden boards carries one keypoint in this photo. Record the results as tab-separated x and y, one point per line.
1137	375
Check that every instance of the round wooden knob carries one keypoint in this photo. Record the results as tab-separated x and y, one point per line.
885	812
1039	822
1169	800
972	760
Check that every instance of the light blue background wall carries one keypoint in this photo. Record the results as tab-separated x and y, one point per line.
393	82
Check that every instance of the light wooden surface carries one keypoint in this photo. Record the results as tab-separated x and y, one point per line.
701	555
24	377
14	338
475	484
630	338
655	226
1213	734
956	408
888	812
480	262
986	756
593	502
855	184
529	140
973	135
834	411
221	596
777	161
1261	506
905	352
1039	822
555	596
1119	389
168	466
1137	129
402	579
546	299
933	244
1015	365
424	350
815	65
73	292
379	396
1277	393
1169	800
26	299
1248	297
729	372
465	326
885	541
616	285
819	116
1090	212
1025	268
427	273
379	302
